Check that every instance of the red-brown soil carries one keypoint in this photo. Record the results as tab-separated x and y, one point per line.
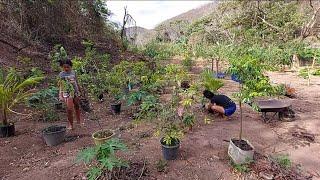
203	152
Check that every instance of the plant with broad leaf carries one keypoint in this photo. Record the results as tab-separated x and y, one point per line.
58	53
13	90
102	157
253	82
209	82
189	97
169	124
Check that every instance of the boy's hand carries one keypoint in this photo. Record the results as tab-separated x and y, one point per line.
61	97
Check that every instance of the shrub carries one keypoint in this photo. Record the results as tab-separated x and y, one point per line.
102	157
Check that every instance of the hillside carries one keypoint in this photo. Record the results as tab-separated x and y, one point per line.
170	29
191	15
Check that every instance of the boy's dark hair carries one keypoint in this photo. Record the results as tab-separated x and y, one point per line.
65	61
208	94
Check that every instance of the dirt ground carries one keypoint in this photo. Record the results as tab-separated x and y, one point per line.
203	152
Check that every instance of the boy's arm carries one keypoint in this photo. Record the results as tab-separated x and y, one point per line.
60	91
79	87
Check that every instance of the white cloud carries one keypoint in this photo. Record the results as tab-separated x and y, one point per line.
150	13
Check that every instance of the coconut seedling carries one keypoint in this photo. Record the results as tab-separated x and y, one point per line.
13	90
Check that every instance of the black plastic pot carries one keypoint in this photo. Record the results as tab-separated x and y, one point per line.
116	108
58	106
54	135
170	152
7	130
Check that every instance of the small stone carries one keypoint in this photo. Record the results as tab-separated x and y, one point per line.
266	175
25	169
46	164
15	148
6	142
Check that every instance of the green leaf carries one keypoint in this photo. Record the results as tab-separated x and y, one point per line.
94	173
87	155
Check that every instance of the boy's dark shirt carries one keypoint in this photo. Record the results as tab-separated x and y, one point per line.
222	100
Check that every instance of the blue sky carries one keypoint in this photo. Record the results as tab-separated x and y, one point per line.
150	13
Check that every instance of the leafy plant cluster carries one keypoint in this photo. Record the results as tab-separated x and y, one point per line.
102	158
13	90
45	102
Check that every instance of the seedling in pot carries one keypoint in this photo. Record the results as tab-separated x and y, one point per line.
253	84
13	90
169	128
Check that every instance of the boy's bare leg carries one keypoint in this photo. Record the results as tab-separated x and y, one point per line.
70	112
219	110
77	109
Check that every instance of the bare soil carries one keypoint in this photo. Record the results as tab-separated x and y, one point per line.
203	151
242	145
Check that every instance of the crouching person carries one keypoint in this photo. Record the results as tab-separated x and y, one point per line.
220	104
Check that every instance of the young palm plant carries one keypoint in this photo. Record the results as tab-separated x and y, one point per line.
13	90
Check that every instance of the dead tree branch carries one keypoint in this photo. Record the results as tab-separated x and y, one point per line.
267	23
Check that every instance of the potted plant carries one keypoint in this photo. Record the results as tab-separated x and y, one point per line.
169	127
12	91
252	84
170	142
117	96
101	136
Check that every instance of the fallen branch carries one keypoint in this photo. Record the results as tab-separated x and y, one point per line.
271	25
18	49
143	168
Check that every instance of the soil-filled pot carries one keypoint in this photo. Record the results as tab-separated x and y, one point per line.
116	108
54	135
240	151
101	137
170	152
7	130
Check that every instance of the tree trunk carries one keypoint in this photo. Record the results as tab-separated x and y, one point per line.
212	65
5	120
313	62
240	134
240	106
124	22
217	66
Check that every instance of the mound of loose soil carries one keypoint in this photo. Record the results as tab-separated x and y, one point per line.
268	167
136	170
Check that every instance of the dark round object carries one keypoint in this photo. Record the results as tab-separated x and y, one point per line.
85	105
54	135
185	85
235	78
170	152
116	108
7	130
58	106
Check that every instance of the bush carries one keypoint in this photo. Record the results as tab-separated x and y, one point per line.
45	102
102	157
187	62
